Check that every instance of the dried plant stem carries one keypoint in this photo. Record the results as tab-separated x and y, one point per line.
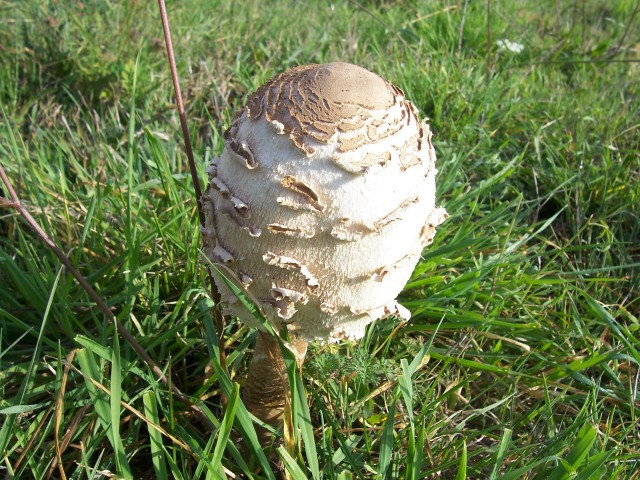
15	203
180	105
215	295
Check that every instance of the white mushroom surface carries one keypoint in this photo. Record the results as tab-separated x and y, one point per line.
322	201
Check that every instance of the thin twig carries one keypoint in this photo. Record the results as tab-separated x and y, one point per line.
17	204
6	203
181	113
215	295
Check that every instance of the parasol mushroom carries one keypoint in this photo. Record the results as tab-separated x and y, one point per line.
319	208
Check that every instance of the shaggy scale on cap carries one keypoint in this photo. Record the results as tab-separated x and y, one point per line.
322	201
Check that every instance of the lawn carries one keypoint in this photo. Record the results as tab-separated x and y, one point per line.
522	356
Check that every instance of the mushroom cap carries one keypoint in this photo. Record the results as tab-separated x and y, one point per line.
322	201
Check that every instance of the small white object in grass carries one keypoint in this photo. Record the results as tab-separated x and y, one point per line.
334	173
514	47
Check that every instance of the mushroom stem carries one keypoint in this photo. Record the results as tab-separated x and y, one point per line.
266	390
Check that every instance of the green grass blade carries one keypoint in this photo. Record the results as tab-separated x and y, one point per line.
290	465
630	341
155	437
204	457
594	468
502	451
405	384
243	417
205	462
90	370
8	425
116	397
518	473
300	410
580	450
387	441
462	467
175	469
225	427
418	455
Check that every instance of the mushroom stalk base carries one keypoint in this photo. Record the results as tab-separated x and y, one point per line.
266	390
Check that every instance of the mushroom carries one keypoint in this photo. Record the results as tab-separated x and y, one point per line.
318	208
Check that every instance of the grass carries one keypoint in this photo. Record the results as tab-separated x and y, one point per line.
522	356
